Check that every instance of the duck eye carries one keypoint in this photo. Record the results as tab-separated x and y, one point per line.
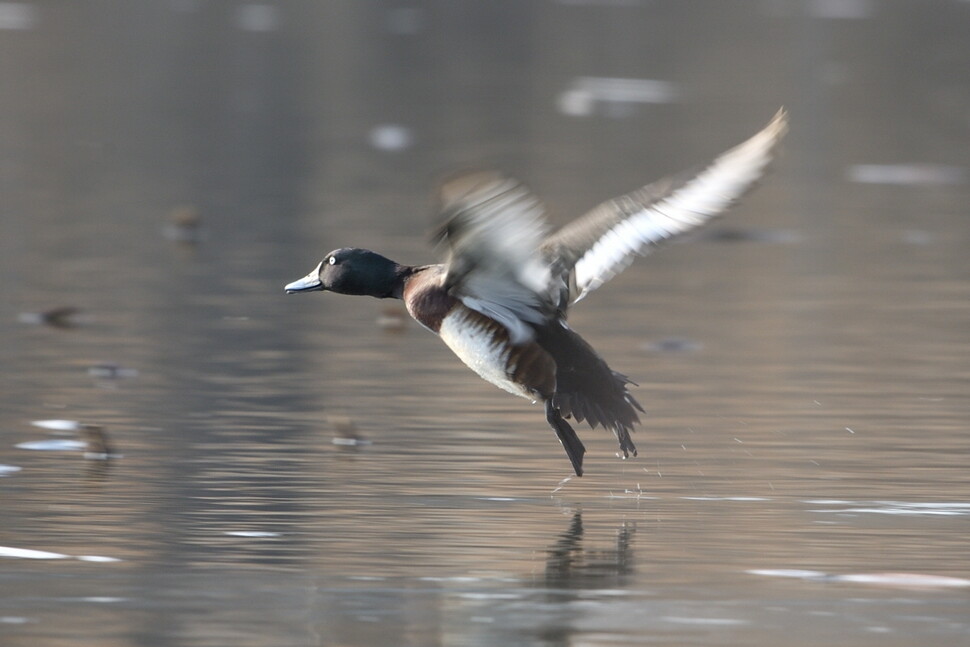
333	261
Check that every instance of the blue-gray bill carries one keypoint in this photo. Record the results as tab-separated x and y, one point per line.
309	283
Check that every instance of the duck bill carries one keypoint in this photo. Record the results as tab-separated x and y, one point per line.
309	283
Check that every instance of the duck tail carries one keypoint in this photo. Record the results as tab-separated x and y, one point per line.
624	416
587	388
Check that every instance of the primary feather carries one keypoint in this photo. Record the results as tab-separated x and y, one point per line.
599	245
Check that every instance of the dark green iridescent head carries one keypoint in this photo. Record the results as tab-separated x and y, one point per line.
352	271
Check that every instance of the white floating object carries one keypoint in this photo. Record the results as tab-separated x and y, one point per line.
17	15
391	137
349	442
53	445
905	580
788	572
585	93
895	580
256	534
27	553
58	425
711	622
907	174
947	509
6	470
102	599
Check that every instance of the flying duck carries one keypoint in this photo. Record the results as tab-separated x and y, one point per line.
499	301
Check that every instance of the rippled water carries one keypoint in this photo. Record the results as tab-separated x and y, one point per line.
303	471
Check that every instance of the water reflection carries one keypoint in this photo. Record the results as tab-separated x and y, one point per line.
570	565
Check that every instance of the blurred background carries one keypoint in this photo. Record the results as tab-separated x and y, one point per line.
318	470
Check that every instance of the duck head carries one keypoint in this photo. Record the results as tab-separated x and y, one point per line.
352	271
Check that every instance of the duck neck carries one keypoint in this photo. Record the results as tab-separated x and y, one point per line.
401	273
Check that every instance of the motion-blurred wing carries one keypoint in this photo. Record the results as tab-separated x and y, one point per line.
493	226
602	243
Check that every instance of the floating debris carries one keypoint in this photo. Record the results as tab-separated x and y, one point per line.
905	580
788	572
347	434
255	534
7	470
29	553
107	370
59	317
907	174
705	622
97	443
53	445
94	439
892	580
58	425
614	96
943	509
185	226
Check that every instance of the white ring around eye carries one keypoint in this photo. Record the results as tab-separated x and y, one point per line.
333	260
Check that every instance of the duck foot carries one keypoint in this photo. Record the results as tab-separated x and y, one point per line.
567	436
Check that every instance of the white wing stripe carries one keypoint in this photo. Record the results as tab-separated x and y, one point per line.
712	191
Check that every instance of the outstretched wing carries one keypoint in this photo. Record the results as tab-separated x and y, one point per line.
493	226
596	247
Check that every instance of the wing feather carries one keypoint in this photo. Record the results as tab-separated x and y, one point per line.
602	243
493	227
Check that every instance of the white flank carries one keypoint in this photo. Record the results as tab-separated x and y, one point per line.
700	199
477	348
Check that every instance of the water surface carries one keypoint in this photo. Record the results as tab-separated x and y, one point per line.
802	470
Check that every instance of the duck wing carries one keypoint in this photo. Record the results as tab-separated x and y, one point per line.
493	226
591	250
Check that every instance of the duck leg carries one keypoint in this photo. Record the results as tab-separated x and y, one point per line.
570	441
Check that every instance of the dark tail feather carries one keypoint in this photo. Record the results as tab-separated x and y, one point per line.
567	436
626	443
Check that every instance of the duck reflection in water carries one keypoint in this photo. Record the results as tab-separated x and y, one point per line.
571	565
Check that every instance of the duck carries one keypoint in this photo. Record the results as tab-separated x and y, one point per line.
500	298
